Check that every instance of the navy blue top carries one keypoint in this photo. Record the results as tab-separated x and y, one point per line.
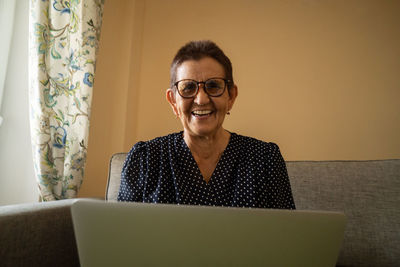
250	173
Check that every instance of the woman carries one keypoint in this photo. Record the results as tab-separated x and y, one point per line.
205	164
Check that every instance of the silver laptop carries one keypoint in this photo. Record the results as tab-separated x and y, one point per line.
138	234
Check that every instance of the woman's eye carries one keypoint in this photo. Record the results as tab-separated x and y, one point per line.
189	87
214	84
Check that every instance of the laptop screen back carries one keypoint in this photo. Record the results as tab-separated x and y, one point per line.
137	234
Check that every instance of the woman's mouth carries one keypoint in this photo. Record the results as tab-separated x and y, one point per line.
201	113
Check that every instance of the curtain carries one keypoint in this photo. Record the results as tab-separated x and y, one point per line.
63	42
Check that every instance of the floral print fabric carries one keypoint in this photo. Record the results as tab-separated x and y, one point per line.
63	41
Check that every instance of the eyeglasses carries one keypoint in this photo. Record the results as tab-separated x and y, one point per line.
214	87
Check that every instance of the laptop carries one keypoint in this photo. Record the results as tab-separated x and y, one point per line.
140	234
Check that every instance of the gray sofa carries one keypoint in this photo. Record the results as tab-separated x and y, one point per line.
368	192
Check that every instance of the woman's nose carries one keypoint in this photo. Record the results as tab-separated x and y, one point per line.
202	97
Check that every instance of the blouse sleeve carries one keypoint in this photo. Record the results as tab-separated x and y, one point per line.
133	174
277	191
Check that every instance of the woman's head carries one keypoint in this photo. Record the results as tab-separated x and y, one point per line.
203	67
196	50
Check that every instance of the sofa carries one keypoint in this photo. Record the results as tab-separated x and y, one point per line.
368	192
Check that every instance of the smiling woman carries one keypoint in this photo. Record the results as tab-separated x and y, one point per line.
205	164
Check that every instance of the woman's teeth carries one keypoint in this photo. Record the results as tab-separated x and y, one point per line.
201	112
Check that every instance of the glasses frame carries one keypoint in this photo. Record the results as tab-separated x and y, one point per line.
204	87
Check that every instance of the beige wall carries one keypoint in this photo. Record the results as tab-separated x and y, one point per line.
320	78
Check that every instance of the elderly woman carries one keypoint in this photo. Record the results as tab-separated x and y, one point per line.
205	164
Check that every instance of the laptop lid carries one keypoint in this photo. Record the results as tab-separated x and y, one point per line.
139	234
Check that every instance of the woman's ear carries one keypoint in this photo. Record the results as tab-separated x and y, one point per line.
170	96
233	93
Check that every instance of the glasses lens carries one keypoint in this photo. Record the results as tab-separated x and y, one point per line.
215	87
187	88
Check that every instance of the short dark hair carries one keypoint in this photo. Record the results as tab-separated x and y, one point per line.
196	50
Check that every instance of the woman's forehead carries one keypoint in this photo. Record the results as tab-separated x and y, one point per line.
200	70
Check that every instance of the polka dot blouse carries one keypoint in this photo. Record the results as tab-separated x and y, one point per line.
250	173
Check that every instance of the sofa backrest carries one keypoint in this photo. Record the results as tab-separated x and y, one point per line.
368	192
114	175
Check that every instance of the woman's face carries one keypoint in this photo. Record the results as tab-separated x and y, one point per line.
202	115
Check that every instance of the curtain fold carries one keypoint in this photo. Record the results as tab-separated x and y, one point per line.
63	42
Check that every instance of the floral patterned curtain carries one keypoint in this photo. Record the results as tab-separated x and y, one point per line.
63	41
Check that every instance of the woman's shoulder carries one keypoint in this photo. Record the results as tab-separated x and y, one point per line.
251	143
154	143
258	152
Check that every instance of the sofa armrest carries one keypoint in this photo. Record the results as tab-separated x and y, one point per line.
38	234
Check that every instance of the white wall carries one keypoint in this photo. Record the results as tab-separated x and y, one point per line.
17	182
7	8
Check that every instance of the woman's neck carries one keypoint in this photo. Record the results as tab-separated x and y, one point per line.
207	147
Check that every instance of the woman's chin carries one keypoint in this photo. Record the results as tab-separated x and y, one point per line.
204	131
203	126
